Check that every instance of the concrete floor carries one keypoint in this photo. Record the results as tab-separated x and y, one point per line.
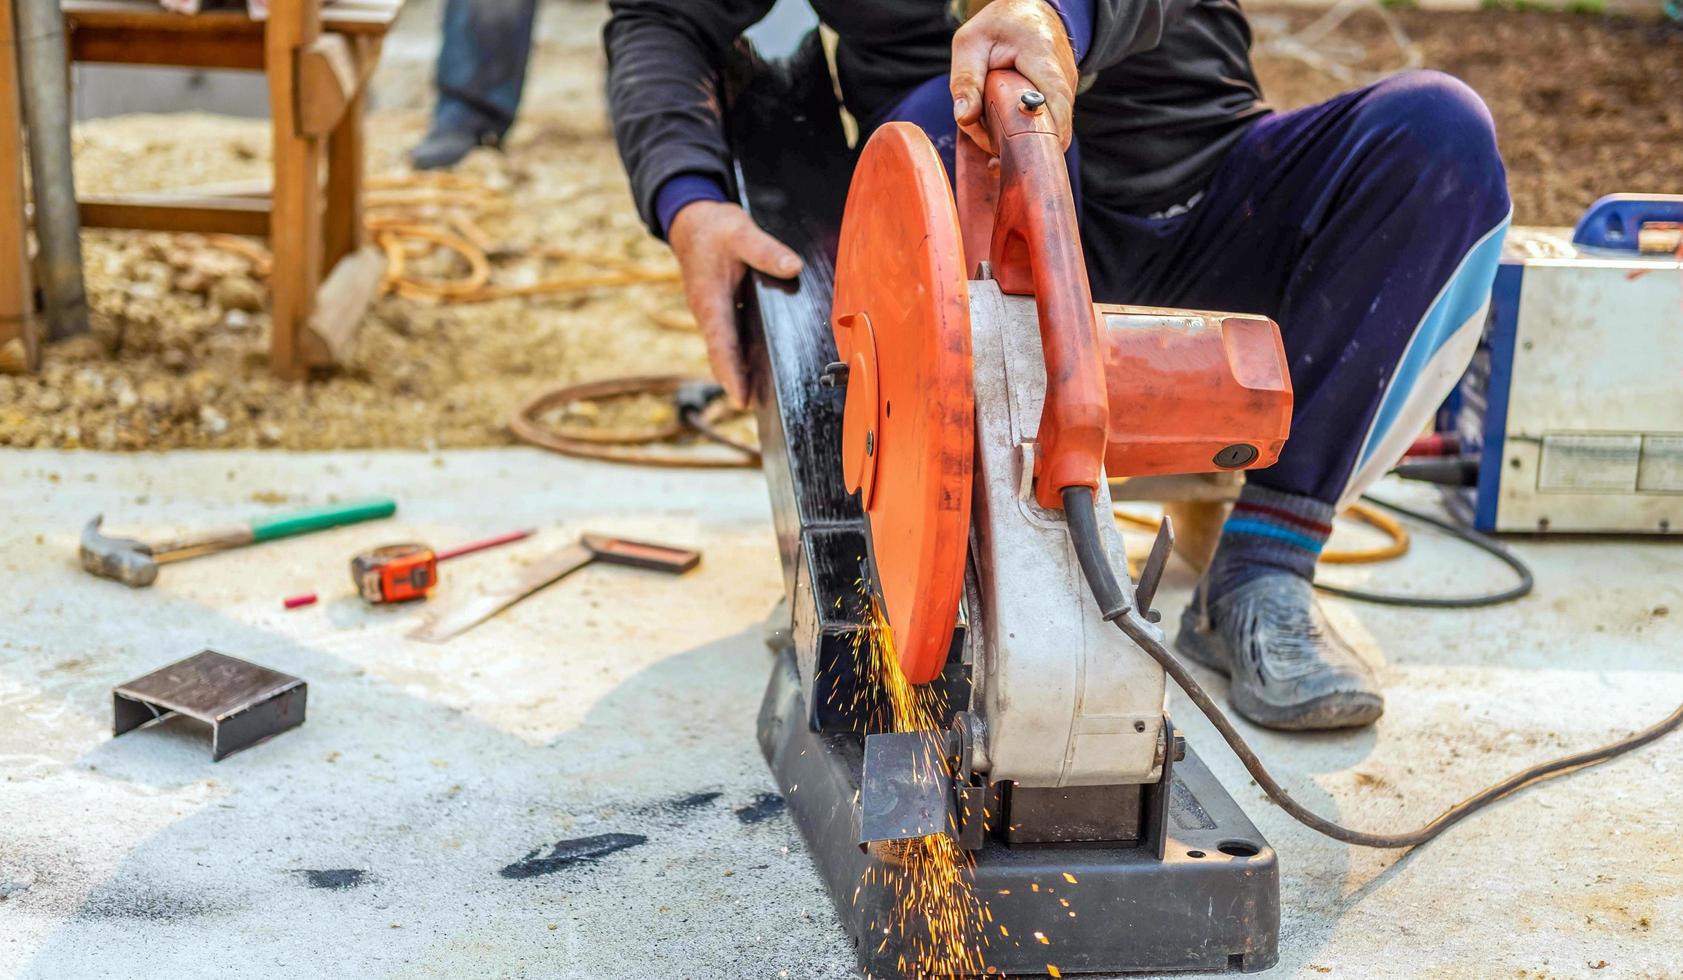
427	820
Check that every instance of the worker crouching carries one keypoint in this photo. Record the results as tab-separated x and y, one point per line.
1368	226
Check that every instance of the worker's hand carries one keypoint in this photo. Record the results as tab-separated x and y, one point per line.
716	243
1025	35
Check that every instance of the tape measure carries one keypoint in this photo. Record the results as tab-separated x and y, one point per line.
395	573
402	572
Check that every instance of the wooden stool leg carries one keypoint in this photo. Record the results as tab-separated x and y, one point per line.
343	220
19	349
1197	529
296	219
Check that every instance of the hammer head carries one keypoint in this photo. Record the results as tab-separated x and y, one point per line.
124	559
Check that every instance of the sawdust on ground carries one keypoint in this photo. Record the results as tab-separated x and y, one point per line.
1584	105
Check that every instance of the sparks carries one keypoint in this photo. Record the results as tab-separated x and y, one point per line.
936	910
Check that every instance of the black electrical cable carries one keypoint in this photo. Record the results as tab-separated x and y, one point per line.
1089	551
698	422
1083	529
1485	544
1445	471
693	400
1140	632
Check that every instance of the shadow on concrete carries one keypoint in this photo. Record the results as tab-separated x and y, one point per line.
380	837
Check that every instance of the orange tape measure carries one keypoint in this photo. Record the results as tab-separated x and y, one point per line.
395	573
402	572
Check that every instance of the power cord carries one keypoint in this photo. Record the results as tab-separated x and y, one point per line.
1485	544
693	399
1101	579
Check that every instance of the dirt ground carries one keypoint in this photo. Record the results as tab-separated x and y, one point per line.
1584	106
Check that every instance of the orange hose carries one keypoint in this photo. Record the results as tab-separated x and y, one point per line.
391	238
666	319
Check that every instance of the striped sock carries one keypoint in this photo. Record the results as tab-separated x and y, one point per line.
1268	531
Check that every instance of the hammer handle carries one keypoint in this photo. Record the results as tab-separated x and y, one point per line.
200	542
320	519
270	528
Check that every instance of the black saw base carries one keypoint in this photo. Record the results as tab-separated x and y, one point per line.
1212	904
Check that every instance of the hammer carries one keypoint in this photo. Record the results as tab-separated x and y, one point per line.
135	563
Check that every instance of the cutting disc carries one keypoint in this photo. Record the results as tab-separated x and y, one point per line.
902	325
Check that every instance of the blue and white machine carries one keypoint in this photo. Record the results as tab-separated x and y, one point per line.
1574	402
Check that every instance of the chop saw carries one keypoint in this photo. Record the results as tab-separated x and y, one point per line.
934	469
980	764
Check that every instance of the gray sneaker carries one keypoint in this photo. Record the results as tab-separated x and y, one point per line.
444	147
1289	668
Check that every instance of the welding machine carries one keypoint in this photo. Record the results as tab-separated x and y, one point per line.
1573	404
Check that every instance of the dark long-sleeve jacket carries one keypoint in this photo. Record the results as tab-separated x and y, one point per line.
1168	86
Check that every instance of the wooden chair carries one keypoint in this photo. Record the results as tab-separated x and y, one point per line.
318	61
19	330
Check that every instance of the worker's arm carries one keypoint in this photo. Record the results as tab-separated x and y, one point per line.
664	64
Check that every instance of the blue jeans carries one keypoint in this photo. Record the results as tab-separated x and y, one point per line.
482	65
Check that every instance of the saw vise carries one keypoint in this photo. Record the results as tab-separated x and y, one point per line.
941	404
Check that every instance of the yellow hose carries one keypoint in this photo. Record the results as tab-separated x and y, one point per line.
392	236
1362	556
1379	520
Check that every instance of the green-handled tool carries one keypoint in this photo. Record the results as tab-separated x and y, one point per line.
135	563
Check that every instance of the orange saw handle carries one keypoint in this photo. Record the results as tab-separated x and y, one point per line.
1018	213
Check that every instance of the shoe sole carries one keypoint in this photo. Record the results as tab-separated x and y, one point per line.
1339	709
